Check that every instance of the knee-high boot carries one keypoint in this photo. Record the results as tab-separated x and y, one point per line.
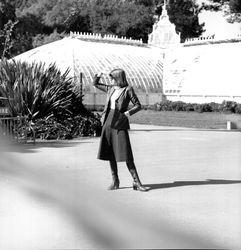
114	172
136	180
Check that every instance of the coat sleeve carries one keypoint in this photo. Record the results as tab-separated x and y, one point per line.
134	99
98	85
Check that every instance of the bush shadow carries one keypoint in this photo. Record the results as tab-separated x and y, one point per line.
30	147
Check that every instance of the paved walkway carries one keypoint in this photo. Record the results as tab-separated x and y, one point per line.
53	195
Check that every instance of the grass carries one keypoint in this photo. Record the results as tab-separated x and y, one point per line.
205	120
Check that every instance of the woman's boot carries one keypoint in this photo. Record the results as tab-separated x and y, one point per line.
115	180
136	180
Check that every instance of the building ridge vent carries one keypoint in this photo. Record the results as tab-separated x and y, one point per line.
106	38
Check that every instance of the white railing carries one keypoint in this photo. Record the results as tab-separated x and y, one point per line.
211	39
201	38
16	128
9	127
105	38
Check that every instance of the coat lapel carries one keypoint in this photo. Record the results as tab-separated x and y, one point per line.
112	90
120	93
110	93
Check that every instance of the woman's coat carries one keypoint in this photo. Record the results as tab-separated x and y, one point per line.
127	95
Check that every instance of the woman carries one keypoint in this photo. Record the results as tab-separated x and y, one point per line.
114	142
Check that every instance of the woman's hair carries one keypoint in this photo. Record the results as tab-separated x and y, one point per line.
119	76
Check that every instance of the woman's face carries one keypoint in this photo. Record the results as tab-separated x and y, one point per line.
112	81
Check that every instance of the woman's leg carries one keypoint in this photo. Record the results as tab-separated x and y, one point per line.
114	172
136	180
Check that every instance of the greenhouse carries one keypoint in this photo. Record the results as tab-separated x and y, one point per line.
204	73
203	69
90	54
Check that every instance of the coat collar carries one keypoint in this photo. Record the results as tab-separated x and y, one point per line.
112	90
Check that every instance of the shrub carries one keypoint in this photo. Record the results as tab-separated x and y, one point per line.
165	106
215	107
228	106
238	109
189	107
177	106
225	106
203	108
198	108
53	129
47	99
35	91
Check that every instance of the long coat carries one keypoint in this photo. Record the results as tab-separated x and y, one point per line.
115	142
122	103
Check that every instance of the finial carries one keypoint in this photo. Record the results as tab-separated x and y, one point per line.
164	9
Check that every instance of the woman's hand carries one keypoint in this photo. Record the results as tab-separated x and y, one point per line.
127	113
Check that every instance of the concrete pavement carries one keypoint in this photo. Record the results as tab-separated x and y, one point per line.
53	195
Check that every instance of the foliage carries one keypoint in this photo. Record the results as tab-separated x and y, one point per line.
235	6
6	42
122	18
184	14
238	108
47	99
233	14
67	129
42	21
225	106
50	129
228	106
78	18
42	39
34	91
7	13
7	23
215	5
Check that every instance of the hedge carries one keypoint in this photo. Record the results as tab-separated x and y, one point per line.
225	106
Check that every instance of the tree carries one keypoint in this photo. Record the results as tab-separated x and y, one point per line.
42	39
7	12
136	22
6	39
147	3
235	6
38	19
7	23
184	14
122	18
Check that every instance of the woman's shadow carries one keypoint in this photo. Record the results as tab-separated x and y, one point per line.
191	183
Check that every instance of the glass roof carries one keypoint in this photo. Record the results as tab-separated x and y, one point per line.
143	64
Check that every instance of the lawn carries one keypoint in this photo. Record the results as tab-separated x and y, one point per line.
207	120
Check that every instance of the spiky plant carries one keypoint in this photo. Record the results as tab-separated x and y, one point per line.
34	90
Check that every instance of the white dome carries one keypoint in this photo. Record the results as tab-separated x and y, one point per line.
143	65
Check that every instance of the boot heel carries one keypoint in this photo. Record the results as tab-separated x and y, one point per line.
139	187
136	181
114	185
